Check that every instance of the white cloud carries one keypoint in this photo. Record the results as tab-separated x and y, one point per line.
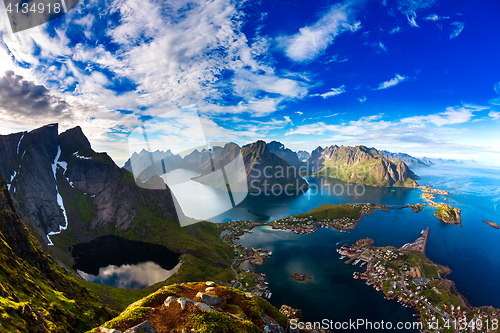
362	99
174	54
299	113
311	41
333	92
392	82
459	27
452	115
494	114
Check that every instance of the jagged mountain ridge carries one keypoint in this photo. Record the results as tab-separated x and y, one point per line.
260	162
256	157
357	164
406	158
360	164
291	157
48	167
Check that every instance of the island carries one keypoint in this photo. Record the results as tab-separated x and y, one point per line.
492	224
416	207
405	274
448	214
445	213
300	277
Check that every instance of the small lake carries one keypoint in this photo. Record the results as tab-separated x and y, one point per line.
121	263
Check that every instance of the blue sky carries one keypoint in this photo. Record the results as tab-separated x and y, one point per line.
415	76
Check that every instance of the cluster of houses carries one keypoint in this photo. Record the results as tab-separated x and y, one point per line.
387	271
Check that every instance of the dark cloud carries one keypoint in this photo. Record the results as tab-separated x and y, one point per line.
25	98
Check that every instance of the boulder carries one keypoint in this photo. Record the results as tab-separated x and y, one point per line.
203	306
169	300
144	327
209	289
210	300
183	301
210	284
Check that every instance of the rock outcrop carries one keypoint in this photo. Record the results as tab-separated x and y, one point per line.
188	307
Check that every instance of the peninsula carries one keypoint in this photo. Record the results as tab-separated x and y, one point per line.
340	217
405	274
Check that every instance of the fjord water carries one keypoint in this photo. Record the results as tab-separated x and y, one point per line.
471	251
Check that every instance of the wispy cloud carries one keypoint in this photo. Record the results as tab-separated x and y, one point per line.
392	82
381	46
333	92
459	27
311	41
412	20
435	17
300	113
408	7
362	99
452	115
395	30
411	7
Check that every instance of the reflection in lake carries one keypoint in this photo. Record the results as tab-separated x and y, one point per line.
123	263
127	276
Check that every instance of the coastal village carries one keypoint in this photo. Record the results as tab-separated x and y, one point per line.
410	278
328	216
403	274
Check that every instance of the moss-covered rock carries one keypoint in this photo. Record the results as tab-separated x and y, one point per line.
234	313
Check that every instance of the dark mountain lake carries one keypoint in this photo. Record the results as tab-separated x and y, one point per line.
122	263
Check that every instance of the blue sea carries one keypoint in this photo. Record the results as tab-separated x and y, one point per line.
471	251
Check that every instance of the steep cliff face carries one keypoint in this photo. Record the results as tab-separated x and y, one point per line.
35	293
27	163
291	157
265	169
360	164
52	175
113	191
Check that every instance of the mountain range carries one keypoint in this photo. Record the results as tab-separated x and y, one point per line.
59	192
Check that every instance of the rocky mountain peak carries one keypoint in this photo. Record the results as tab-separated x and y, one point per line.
74	140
